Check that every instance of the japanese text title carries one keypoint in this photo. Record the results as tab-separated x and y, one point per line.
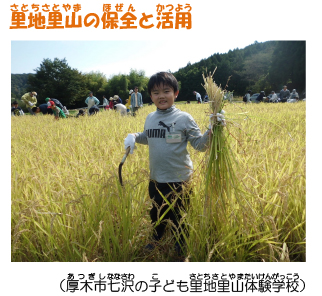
67	16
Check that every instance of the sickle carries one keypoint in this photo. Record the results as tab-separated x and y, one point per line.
122	162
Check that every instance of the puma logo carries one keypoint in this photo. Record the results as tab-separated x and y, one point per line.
161	123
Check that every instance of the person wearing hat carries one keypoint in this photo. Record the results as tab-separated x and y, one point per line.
136	100
15	109
57	102
30	101
56	110
43	108
91	101
284	94
117	100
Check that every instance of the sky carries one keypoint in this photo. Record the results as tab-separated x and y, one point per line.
114	57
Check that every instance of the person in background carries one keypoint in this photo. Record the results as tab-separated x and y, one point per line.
91	101
93	110
57	102
80	113
105	103
128	102
273	98
127	105
16	110
111	104
294	97
260	97
248	97
118	99
58	113
136	101
30	101
121	109
66	112
198	97
43	108
284	94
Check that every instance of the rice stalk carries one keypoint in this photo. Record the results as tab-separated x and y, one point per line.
223	196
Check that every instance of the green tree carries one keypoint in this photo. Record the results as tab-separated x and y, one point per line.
96	82
289	65
56	79
19	85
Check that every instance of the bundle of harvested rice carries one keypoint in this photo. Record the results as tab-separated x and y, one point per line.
223	197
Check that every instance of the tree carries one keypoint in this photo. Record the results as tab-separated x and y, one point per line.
56	79
96	82
288	65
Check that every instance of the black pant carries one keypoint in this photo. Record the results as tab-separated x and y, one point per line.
172	192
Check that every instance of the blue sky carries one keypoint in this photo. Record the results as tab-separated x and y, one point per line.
114	57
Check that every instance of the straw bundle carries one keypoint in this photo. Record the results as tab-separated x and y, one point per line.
221	180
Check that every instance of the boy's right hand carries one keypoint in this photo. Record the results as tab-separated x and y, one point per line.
130	141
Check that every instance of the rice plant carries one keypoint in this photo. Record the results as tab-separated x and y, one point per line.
67	203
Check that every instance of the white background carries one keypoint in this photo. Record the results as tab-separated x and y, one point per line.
214	22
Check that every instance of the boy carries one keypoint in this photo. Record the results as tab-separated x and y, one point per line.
56	110
16	110
167	132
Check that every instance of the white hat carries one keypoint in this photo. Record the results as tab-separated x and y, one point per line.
130	91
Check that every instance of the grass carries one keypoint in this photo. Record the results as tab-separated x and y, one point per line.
67	204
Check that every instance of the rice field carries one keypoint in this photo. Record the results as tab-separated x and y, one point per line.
67	204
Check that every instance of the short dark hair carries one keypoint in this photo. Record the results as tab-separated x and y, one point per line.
34	109
164	78
14	103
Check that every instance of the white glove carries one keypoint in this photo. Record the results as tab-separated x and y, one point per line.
130	141
30	104
130	106
220	117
